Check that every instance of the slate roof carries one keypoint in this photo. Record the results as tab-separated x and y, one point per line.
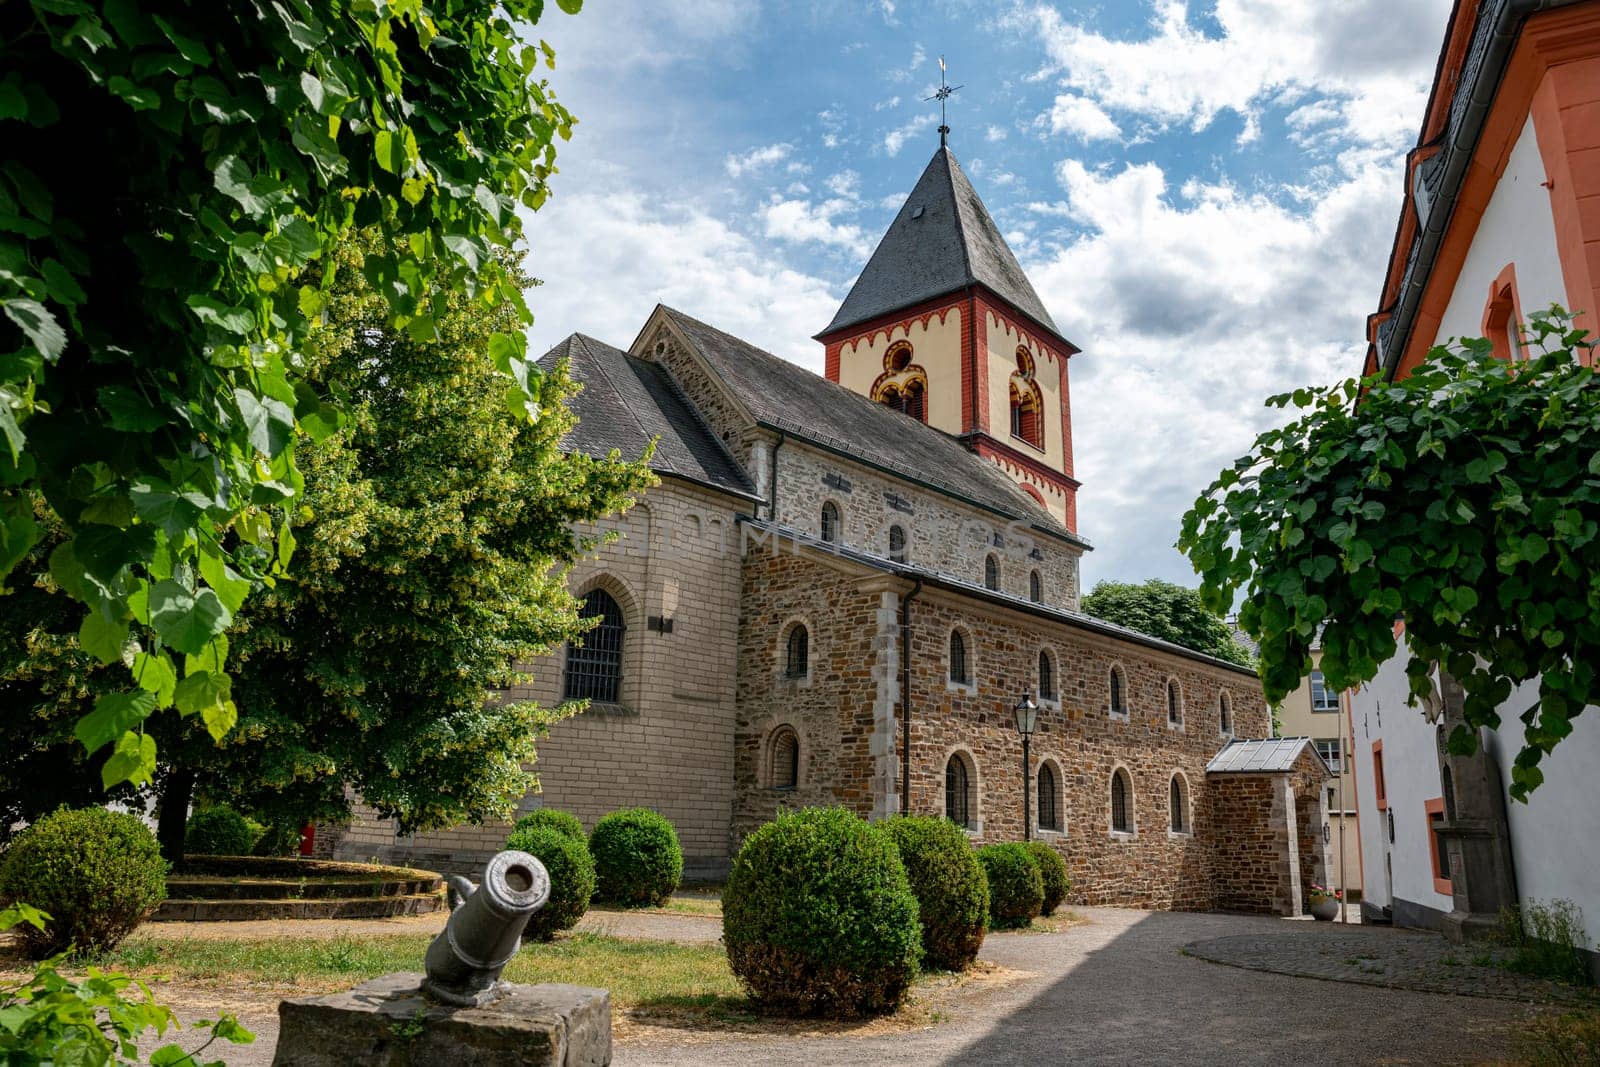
941	241
1265	756
626	402
808	406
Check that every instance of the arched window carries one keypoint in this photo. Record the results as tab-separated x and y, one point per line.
957	792
1049	808
830	522
783	759
897	544
797	652
898	358
1026	422
1047	677
1035	587
594	660
914	400
1118	703
1224	714
991	572
1174	703
1175	805
1121	803
960	670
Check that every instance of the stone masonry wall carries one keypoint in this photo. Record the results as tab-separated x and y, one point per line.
941	533
1251	842
668	743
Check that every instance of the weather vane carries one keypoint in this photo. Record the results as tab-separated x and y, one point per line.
942	95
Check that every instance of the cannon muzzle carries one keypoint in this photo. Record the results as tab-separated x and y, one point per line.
485	929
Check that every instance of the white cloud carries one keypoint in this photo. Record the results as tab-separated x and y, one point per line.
883	105
611	254
994	133
756	159
803	222
847	183
1365	55
1191	306
1082	118
895	140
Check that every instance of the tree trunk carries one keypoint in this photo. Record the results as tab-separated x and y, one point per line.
174	818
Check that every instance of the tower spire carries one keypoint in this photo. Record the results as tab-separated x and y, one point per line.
942	95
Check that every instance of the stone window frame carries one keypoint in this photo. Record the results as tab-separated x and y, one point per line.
1132	804
1174	686
1052	833
904	553
633	623
970	645
991	569
974	827
1126	714
1052	702
1225	721
840	539
780	655
768	750
1186	801
1035	586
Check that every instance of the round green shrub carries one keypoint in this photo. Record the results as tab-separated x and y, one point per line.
637	859
818	916
220	831
1053	871
97	873
1016	888
550	818
571	870
951	889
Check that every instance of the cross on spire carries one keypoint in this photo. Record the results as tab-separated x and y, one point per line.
942	95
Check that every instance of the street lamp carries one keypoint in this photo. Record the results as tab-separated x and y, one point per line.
1027	717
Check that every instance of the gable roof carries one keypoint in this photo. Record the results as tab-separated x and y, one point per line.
627	402
787	397
1269	755
943	240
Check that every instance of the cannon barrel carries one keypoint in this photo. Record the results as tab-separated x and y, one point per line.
484	931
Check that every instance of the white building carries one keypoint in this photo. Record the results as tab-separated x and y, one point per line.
1502	215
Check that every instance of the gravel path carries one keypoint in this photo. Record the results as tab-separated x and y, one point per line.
1115	989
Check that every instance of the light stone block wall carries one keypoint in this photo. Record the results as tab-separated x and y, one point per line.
942	533
668	743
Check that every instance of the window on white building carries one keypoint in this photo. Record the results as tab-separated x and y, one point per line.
1322	698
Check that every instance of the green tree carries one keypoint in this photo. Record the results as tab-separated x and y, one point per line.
1464	498
1168	611
435	530
171	171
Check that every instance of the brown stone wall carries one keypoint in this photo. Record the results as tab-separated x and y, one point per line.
1250	841
668	743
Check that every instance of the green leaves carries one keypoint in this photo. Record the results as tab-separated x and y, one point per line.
210	695
1462	498
185	619
113	715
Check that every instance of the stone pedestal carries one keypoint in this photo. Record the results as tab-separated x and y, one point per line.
387	1021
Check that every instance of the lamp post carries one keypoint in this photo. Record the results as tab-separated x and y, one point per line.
1027	717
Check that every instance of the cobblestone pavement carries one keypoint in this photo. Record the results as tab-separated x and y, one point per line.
1380	956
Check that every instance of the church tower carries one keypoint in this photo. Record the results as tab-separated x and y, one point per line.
943	325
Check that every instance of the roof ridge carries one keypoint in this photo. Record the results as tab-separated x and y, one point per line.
961	227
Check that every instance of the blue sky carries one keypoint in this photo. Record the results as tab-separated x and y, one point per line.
1203	194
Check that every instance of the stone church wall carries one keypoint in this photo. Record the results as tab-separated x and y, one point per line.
942	534
668	743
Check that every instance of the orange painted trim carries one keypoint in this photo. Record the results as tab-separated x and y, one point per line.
1431	808
1566	123
1379	786
1502	312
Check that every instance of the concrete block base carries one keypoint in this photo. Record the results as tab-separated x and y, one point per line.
387	1021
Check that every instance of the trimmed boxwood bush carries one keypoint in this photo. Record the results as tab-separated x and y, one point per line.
637	859
951	889
1053	872
97	873
220	831
551	819
818	916
1016	888
571	870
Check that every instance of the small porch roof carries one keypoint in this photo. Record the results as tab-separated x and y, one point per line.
1268	755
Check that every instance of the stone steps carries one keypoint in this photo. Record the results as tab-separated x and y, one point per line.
243	888
203	888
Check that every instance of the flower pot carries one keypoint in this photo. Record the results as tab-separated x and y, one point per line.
1325	909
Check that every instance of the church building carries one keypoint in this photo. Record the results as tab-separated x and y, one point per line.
844	585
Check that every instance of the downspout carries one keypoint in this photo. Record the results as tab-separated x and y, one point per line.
905	697
772	485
